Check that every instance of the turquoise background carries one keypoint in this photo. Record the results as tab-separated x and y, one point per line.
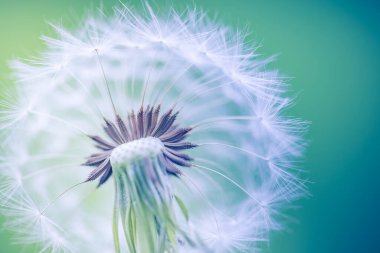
332	48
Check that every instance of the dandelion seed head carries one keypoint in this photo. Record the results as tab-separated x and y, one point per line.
175	117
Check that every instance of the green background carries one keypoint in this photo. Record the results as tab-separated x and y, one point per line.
332	48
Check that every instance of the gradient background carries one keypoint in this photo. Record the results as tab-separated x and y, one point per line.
332	48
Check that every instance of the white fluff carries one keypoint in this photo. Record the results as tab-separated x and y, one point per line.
244	169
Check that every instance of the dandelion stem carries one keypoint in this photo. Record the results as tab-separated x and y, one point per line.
115	220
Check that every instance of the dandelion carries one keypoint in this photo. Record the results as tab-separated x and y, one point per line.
151	133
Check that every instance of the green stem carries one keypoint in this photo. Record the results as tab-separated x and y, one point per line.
126	215
143	204
115	220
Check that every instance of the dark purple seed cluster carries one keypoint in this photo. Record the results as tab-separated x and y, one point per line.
146	123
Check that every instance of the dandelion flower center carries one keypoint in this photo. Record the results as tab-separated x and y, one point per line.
136	150
140	136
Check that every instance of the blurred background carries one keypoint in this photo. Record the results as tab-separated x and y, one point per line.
332	49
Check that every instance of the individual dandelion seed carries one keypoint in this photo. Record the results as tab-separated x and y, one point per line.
179	113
